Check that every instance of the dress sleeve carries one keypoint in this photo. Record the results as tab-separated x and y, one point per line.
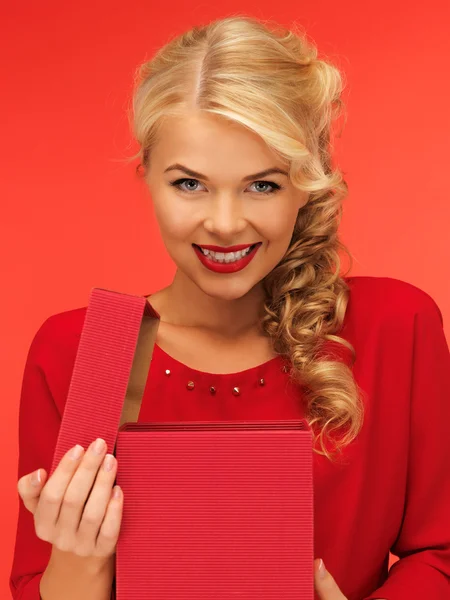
39	422
423	544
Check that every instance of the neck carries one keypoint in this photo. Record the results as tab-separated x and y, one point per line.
183	303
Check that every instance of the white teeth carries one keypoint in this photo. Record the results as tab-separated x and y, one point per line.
225	257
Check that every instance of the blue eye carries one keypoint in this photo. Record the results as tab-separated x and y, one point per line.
274	187
179	182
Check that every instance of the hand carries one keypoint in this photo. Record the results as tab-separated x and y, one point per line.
75	510
324	584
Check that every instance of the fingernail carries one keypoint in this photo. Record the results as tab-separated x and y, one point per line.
98	446
76	452
322	571
108	462
36	478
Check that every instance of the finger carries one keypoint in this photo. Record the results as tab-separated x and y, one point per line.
78	492
95	508
47	510
30	486
110	528
326	587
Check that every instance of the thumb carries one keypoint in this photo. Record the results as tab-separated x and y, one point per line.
325	585
30	488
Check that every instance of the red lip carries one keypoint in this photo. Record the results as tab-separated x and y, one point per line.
226	248
232	267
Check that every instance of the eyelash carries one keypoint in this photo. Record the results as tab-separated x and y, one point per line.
275	186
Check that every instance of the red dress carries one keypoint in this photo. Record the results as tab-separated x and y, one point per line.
391	489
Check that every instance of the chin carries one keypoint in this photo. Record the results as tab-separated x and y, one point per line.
226	289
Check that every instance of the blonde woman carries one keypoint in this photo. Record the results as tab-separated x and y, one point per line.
234	124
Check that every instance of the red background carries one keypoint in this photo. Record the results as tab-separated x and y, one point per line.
74	216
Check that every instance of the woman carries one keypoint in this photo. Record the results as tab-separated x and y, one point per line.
234	125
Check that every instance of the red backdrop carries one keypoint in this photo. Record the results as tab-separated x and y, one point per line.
74	216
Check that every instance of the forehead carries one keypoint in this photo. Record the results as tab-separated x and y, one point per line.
201	141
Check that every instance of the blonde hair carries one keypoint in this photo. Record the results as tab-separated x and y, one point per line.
270	80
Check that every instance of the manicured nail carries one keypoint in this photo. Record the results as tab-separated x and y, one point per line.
322	571
76	452
36	478
98	446
108	462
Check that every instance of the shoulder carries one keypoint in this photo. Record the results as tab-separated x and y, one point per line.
52	352
374	298
58	334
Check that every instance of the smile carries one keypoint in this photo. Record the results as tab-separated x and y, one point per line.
226	257
226	260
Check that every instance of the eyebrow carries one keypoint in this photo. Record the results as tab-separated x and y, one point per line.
192	173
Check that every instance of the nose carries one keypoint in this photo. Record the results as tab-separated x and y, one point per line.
225	217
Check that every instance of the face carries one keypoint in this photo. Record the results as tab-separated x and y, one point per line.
224	224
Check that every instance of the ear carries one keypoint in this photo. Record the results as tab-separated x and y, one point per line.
302	198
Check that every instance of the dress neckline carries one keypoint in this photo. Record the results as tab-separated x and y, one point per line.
258	371
251	372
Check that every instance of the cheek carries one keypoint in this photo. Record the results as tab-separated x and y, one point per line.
175	222
278	224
